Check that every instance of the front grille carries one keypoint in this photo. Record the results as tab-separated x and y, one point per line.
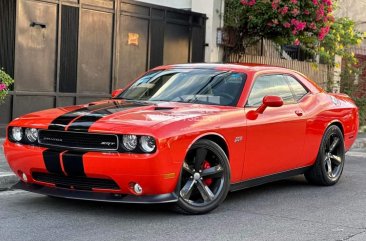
78	140
75	182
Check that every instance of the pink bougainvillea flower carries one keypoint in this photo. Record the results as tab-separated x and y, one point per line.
320	12
312	25
248	2
315	2
275	4
328	2
295	12
297	42
3	87
306	12
299	26
286	24
323	32
284	10
294	1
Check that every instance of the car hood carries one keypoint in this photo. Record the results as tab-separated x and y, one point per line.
117	115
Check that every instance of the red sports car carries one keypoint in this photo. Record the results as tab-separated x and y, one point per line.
186	134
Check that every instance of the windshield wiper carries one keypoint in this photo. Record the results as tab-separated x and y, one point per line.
120	98
212	79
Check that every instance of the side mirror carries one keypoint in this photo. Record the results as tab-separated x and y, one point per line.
116	92
268	101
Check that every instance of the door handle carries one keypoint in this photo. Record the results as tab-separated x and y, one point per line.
299	113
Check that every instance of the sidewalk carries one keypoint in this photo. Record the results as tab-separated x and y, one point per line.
359	147
360	144
7	177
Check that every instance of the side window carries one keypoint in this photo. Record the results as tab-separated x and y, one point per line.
270	85
298	89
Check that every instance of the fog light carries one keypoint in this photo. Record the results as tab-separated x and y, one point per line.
24	177
137	188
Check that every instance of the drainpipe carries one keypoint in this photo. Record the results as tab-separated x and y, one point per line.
220	49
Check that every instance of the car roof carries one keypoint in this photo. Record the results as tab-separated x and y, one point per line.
235	66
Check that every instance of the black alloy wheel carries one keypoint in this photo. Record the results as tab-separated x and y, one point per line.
205	178
330	161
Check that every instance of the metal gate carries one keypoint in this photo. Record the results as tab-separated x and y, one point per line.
65	52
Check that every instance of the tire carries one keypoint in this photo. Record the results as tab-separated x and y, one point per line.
201	191
329	164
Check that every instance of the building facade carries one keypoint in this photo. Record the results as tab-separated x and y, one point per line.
66	52
214	10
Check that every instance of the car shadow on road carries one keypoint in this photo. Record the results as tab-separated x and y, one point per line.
293	184
255	194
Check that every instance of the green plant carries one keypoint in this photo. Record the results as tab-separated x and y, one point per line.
285	22
341	37
361	103
353	89
5	82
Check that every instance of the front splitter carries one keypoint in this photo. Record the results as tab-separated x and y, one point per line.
96	196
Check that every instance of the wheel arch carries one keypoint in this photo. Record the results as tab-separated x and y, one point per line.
214	137
336	123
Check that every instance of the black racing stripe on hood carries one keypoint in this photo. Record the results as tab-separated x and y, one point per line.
52	162
73	163
83	123
61	122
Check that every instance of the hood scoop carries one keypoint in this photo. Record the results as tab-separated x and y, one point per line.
163	108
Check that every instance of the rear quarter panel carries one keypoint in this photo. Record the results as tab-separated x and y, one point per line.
323	110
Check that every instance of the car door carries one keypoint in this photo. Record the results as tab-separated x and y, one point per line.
275	139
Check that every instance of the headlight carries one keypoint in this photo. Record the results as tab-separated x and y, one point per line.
17	133
31	134
147	143
129	142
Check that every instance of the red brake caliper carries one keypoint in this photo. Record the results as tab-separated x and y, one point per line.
207	181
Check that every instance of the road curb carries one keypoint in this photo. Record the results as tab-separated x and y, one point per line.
360	143
356	154
7	179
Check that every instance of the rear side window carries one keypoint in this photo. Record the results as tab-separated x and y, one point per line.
270	85
297	88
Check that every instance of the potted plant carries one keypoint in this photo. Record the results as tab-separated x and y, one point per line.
5	82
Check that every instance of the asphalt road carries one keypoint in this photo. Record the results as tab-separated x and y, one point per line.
285	210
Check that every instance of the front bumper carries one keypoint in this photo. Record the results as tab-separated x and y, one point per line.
96	196
156	173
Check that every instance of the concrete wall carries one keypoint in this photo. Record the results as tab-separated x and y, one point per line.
354	9
184	4
213	9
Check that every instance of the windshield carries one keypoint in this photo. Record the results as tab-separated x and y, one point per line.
203	86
